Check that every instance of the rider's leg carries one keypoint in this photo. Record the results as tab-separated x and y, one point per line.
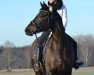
74	46
76	64
39	53
44	37
42	40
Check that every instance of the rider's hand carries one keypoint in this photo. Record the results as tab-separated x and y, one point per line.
50	8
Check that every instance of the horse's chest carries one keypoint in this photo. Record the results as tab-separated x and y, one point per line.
53	61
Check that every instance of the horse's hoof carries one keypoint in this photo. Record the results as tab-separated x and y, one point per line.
36	67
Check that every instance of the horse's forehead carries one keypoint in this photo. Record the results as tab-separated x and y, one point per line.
44	11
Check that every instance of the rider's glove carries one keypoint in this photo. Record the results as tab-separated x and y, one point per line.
50	8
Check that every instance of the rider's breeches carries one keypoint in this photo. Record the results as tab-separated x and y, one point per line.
74	45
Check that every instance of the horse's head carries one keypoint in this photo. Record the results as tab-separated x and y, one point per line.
42	22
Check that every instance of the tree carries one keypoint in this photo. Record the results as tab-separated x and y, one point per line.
85	48
7	54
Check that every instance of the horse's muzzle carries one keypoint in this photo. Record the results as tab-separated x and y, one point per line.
28	32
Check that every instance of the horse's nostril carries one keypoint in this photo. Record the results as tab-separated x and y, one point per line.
26	30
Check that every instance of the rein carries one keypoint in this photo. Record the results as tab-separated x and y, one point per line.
36	37
42	23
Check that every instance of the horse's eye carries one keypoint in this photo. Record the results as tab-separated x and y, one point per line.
43	14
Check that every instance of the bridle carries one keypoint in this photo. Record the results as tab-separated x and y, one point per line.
41	23
36	29
41	47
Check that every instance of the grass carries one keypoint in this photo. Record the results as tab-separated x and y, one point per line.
81	71
84	71
18	72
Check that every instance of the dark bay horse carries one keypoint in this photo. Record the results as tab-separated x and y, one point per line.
59	56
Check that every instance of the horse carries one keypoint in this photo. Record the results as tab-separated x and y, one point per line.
58	58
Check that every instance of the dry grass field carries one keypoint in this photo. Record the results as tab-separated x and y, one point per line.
84	71
81	71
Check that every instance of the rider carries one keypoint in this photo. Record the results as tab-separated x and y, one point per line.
57	5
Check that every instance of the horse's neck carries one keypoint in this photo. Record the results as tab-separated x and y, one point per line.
56	35
55	43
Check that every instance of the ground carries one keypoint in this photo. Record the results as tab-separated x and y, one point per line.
80	71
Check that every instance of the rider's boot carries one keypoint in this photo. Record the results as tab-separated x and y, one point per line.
76	64
39	62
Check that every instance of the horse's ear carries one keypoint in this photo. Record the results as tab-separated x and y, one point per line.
45	5
41	5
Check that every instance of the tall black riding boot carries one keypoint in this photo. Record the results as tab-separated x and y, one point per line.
76	64
39	62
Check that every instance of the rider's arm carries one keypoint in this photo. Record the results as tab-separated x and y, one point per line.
64	15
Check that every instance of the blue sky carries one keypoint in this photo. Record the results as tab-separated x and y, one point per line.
15	15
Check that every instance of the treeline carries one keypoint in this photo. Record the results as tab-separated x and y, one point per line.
12	57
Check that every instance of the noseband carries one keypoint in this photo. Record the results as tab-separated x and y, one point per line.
37	27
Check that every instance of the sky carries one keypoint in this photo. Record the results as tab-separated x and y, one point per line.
15	15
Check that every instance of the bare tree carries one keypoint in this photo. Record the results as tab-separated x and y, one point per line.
7	54
85	48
